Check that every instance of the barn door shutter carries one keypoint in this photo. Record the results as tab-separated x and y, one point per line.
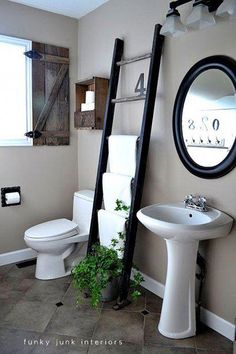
50	93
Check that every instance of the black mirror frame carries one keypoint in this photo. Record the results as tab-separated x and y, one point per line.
228	66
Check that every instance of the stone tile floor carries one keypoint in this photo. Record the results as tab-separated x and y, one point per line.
42	317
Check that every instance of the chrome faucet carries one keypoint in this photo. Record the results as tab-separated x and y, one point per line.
196	202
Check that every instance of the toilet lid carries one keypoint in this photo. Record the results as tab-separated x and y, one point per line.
60	228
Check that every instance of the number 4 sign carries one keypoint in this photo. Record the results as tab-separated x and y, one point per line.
139	88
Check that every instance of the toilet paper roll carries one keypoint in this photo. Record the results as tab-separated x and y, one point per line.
89	97
87	107
12	198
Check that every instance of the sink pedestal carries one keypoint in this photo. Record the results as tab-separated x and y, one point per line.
178	319
182	229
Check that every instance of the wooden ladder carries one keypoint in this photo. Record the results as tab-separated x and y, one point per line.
142	153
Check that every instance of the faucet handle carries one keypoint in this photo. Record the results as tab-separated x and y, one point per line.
202	200
188	198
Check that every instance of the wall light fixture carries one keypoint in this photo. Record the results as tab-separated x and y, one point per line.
227	9
173	26
201	16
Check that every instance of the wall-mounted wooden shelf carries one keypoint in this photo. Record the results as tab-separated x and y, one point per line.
91	119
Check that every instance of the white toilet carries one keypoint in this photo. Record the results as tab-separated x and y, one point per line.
56	241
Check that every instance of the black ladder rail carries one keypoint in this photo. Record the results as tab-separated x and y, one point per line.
141	157
154	69
103	157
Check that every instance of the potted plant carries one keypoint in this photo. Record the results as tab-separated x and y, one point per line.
99	272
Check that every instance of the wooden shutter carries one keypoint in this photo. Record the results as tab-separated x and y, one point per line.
50	94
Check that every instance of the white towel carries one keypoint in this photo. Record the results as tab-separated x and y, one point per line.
122	154
116	187
109	225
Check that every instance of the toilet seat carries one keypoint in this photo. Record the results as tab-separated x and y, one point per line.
52	230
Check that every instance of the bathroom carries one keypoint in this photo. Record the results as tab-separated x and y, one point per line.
49	175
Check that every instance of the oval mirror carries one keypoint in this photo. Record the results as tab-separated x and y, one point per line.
204	120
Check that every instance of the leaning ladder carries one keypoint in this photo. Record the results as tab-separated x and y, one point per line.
149	97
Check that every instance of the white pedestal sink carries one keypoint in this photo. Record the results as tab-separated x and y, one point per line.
182	229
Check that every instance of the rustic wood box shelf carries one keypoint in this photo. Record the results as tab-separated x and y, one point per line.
91	119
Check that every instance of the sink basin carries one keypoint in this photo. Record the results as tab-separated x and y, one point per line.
182	230
174	221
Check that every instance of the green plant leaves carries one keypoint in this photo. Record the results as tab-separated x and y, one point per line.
95	271
98	268
120	206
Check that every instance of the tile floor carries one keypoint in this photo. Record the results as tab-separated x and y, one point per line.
41	317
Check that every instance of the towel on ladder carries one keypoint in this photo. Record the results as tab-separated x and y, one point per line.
116	187
123	154
109	226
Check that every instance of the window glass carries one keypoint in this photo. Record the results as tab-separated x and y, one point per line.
15	92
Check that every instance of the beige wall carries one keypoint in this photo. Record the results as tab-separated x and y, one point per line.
166	178
47	175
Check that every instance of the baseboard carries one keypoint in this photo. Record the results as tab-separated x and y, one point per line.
211	320
153	286
217	323
17	256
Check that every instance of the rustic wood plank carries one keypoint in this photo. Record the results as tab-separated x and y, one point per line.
52	53
58	118
80	95
101	89
85	119
87	81
59	115
95	119
56	133
47	58
38	88
54	59
51	72
55	50
64	109
53	95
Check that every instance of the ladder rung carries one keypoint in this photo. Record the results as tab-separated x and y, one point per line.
132	60
128	99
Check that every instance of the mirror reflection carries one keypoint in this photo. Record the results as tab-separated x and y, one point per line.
209	118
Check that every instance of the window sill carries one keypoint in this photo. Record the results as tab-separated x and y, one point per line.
16	143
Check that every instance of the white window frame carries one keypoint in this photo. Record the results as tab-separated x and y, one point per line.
28	77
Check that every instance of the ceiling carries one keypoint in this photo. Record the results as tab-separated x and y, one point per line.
71	8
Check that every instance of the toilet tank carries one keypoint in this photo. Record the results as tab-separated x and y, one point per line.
82	209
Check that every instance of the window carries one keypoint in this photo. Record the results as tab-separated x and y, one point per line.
15	92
